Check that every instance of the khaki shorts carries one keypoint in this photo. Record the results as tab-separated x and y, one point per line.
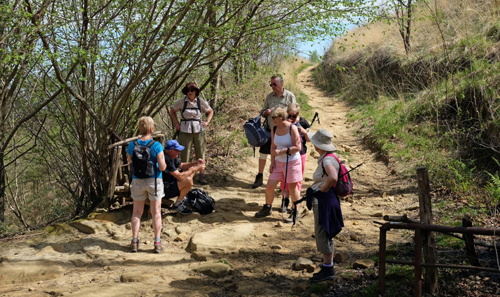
143	188
323	244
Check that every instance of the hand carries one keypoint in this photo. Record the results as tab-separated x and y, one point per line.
267	112
178	127
204	124
201	161
200	167
277	152
271	168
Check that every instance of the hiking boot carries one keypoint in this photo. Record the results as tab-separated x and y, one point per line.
202	179
264	212
289	220
284	207
259	180
326	273
183	210
159	247
134	246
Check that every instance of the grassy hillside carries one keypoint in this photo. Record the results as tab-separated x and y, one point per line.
438	106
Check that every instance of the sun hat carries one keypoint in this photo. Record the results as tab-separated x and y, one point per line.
322	139
191	86
173	145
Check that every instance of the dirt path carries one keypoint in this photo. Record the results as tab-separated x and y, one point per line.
226	253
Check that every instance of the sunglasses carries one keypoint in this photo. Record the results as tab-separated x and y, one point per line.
275	117
273	85
293	116
191	90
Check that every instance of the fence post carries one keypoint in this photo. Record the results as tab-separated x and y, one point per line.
424	197
469	243
115	166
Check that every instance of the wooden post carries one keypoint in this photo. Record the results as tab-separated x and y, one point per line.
424	195
115	165
469	243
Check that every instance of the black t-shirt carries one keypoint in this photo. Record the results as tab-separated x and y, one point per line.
304	124
172	165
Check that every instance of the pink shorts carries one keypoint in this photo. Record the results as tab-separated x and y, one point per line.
299	184
294	173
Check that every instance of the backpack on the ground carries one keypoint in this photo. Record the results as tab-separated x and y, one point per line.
142	166
343	187
256	134
200	201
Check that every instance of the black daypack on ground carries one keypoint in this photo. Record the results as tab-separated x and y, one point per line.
142	166
200	201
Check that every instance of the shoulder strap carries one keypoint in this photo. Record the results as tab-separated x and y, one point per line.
274	129
198	101
184	108
150	144
136	143
323	166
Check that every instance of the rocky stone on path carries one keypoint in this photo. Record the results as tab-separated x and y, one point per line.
276	247
24	272
64	291
340	257
183	229
181	237
51	248
229	179
363	264
414	206
304	263
354	237
134	277
91	226
301	287
215	270
223	237
279	224
117	217
266	235
370	212
201	256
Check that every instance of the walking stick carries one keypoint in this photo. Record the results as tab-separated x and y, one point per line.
316	116
284	190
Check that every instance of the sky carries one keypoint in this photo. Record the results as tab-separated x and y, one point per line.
320	46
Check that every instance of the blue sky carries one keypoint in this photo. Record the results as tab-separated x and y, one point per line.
318	45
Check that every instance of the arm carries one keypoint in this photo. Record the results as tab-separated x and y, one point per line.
160	159
173	115
180	176
304	132
210	114
331	179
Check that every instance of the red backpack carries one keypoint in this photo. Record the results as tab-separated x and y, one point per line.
343	187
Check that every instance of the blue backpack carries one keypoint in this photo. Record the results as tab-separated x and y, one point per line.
256	134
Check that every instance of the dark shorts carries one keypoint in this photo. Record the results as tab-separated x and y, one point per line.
171	189
266	148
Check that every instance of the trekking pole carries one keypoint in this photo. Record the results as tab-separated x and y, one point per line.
350	170
284	190
316	116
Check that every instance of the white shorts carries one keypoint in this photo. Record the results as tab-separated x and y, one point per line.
143	188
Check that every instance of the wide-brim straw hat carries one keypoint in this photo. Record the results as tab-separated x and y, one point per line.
322	139
191	86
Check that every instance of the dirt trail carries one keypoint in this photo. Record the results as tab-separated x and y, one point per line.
226	253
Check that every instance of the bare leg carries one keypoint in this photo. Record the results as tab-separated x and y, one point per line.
184	186
155	207
328	258
270	187
262	165
294	192
136	217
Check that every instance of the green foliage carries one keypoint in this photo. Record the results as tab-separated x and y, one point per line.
314	57
493	187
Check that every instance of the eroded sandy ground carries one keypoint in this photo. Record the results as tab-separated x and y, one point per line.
226	253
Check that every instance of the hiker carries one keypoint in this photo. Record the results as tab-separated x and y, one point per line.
177	184
191	127
328	220
279	97
285	153
149	187
302	125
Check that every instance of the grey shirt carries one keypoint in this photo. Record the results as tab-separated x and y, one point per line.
273	101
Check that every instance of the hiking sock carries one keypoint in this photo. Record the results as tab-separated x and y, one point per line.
135	239
328	265
178	202
157	239
260	174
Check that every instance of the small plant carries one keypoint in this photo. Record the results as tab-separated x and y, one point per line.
493	187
